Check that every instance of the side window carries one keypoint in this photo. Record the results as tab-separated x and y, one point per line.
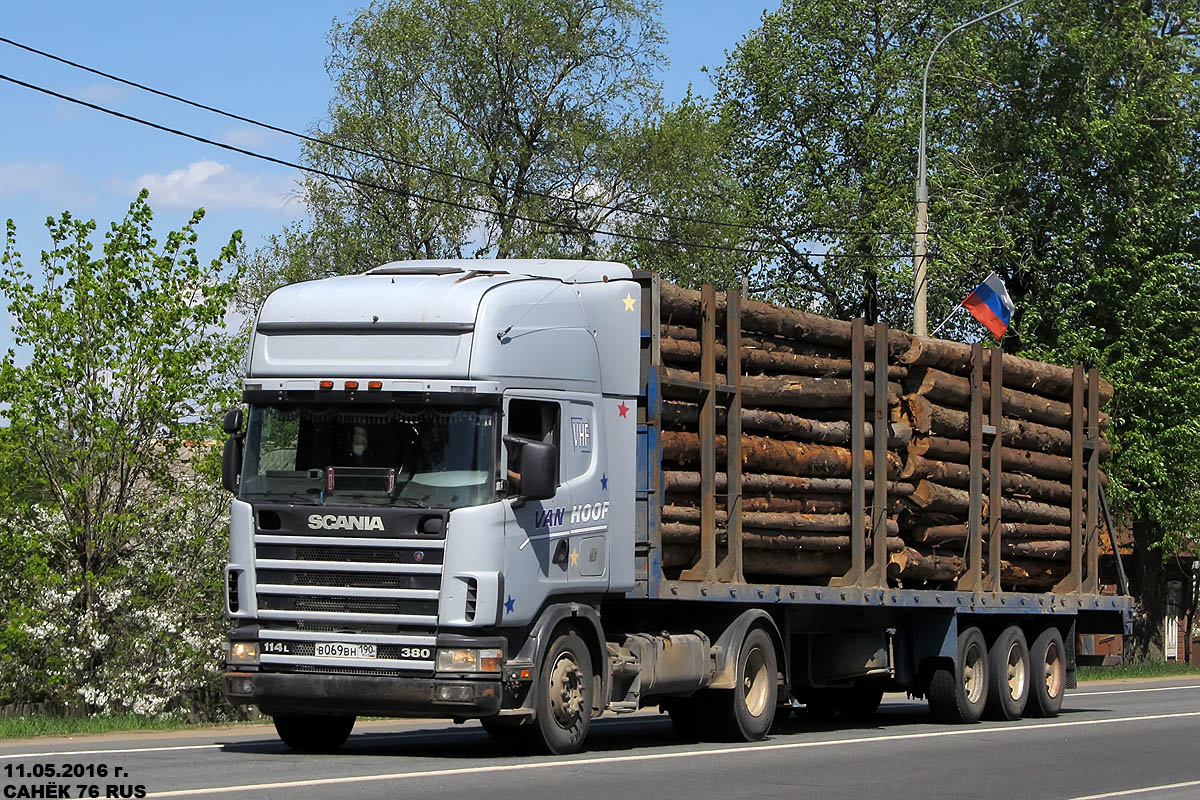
533	420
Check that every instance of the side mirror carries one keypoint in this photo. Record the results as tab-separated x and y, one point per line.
539	470
231	462
233	421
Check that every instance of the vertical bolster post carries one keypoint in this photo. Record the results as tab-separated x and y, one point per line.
973	579
858	498
731	567
1073	582
1092	521
704	569
996	470
877	575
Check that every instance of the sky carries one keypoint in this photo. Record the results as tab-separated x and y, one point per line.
262	59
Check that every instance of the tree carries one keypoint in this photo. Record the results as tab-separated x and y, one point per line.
533	103
114	593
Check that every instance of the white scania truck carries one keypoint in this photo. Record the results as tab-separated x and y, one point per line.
448	484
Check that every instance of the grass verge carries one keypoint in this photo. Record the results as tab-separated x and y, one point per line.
43	725
1138	669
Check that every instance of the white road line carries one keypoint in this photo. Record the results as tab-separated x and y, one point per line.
1133	691
1127	792
703	753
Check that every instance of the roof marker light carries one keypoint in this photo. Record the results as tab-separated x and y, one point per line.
351	386
326	386
374	386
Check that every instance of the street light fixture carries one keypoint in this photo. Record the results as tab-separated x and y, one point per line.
920	324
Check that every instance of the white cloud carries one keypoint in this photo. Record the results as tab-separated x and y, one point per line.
46	180
101	93
220	187
250	137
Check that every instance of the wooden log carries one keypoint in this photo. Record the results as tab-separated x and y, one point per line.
931	496
683	481
683	305
772	521
769	539
765	563
800	391
781	424
949	473
771	455
926	416
912	565
1019	373
806	504
771	344
954	390
1042	465
938	534
687	353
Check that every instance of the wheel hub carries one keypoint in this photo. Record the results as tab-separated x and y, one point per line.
566	690
1016	672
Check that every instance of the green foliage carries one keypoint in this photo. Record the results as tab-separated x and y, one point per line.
114	557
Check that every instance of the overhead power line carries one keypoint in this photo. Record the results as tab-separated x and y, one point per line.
419	167
565	227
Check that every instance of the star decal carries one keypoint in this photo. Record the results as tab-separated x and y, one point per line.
510	604
629	301
574	557
622	409
604	483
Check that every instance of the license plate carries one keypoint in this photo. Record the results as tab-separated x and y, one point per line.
343	650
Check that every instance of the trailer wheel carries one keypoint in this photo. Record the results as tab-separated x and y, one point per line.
1048	674
1008	663
563	703
957	695
313	733
745	712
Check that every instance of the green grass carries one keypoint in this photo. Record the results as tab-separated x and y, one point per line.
1138	669
42	725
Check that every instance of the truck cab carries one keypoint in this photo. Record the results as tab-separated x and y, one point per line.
436	465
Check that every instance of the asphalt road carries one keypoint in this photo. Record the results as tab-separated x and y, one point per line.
1136	739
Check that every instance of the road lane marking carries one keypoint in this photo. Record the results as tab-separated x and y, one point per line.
1132	691
748	748
1143	790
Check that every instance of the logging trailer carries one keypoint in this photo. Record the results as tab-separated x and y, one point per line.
521	492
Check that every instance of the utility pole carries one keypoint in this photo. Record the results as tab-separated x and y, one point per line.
921	232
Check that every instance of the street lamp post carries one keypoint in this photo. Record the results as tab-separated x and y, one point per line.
920	324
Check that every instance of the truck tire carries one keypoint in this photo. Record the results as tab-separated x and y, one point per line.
313	733
745	712
1048	674
563	703
1008	664
958	695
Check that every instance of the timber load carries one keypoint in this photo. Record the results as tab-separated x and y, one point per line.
773	419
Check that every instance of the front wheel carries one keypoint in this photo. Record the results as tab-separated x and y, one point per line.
313	733
564	699
745	712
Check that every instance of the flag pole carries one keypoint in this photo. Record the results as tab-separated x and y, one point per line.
947	319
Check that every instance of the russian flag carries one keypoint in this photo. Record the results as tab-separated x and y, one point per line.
991	305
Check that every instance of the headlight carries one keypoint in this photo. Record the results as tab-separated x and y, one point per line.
468	659
244	653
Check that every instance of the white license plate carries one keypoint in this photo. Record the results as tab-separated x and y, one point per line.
343	650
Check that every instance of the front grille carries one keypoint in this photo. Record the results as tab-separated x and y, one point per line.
347	605
375	555
331	599
361	580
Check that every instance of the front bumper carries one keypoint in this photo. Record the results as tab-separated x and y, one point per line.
314	693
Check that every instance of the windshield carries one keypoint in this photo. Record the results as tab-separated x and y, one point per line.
419	455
